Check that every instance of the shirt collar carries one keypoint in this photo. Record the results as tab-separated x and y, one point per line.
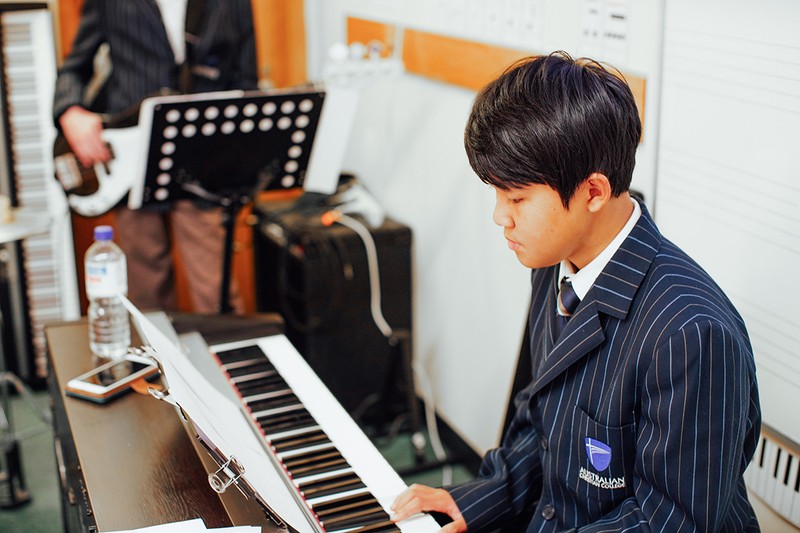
583	280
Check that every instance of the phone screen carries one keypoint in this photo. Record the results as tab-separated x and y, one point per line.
116	372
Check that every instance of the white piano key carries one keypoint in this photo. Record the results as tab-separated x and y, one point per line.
316	477
784	504
277	411
292	433
769	453
776	472
292	453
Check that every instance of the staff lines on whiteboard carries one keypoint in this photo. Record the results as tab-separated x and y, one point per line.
764	334
718	187
781	362
753	182
756	100
785	330
777	368
711	57
699	66
735	39
760	67
699	207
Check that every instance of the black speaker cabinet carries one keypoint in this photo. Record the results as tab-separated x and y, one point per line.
317	277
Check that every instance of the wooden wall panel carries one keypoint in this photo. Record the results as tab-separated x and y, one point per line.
69	13
460	62
280	41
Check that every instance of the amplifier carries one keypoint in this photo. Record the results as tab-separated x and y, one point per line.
318	278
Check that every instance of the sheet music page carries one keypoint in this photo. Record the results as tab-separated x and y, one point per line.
187	526
222	422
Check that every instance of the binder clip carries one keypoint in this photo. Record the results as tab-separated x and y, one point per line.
227	474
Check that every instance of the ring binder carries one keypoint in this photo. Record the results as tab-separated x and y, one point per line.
230	471
238	480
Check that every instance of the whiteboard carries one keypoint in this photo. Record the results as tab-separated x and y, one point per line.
727	186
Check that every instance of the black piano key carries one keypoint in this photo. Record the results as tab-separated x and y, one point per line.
261	368
383	526
280	400
361	517
296	420
247	363
260	396
341	502
331	485
280	413
304	440
347	503
240	354
320	467
304	458
249	388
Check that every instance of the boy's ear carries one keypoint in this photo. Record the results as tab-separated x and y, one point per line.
596	191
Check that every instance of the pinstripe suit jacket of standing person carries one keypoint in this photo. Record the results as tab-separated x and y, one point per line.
656	368
221	56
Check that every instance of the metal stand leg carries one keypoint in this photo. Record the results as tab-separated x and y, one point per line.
13	491
229	223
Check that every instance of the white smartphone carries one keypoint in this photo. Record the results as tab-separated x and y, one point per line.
112	379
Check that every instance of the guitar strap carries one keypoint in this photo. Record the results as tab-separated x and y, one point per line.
195	16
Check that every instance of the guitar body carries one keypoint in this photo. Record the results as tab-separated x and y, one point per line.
92	191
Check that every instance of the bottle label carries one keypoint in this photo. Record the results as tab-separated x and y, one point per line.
104	280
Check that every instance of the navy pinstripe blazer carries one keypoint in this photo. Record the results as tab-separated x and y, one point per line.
641	416
223	54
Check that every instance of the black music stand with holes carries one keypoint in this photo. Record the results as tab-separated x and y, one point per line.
224	148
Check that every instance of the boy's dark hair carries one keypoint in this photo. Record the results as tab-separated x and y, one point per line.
554	120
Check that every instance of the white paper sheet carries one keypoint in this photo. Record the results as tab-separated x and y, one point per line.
221	421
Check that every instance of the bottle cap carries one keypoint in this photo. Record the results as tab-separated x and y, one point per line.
103	233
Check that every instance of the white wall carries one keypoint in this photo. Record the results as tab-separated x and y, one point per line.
728	165
470	293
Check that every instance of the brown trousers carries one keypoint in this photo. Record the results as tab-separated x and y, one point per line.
147	237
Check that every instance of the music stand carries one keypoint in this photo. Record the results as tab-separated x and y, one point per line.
224	148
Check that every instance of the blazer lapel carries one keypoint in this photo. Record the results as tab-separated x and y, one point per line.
611	294
152	17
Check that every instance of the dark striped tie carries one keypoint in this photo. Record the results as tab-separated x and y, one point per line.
567	303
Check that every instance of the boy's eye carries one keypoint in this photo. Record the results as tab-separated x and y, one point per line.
515	200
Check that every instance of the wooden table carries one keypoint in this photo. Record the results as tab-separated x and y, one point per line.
130	463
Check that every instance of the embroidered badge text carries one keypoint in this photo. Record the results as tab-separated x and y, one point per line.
600	481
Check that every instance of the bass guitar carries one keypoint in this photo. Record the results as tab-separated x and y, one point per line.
91	191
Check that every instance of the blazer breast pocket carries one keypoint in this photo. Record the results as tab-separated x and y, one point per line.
600	471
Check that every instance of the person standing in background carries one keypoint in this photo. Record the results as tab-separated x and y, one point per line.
188	46
642	410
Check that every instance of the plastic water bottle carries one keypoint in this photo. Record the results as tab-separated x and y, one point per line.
107	278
